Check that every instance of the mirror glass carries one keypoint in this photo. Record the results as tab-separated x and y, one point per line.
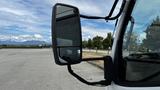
66	35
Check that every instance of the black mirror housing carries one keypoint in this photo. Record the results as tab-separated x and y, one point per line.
66	34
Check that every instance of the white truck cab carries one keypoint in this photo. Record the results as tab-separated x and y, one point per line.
135	60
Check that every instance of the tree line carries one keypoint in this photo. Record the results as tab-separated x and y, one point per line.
25	46
98	42
151	42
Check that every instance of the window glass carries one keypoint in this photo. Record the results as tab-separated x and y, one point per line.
141	44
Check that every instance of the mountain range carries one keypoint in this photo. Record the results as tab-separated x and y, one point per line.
32	42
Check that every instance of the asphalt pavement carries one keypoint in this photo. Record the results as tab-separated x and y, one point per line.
34	69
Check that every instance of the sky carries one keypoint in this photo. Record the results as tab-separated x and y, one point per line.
143	15
22	20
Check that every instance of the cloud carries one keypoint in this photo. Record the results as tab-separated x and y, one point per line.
90	7
146	12
90	32
21	38
142	36
9	10
27	19
38	36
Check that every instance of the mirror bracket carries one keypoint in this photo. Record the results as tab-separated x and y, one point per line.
109	17
108	72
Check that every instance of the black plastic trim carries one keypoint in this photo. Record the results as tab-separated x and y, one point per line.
120	63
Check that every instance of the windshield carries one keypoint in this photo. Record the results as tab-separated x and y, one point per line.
141	44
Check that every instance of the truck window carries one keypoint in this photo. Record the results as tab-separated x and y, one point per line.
141	45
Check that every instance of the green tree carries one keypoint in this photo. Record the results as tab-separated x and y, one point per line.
84	44
89	44
131	41
107	42
97	42
152	41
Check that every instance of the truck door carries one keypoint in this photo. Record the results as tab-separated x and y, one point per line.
138	53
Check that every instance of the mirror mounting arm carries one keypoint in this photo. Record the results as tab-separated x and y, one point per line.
109	17
119	13
108	69
91	17
93	59
113	7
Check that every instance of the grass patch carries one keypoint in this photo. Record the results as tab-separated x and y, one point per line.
87	54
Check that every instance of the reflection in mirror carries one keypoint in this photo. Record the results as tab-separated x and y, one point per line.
66	35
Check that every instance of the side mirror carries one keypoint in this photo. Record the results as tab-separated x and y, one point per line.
66	35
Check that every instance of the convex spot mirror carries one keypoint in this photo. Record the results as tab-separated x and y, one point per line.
66	35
